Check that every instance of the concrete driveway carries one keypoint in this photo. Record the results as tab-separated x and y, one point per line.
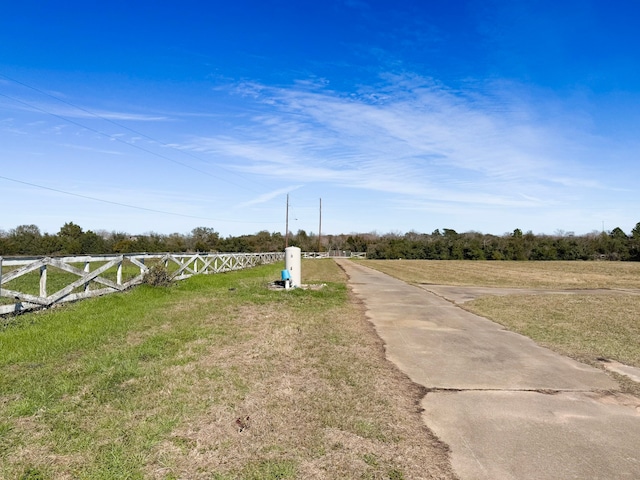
508	408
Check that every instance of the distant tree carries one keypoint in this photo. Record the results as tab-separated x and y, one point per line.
634	244
126	245
277	242
7	247
176	243
113	239
544	249
70	230
618	245
515	246
236	244
263	241
70	236
151	242
91	242
618	233
51	245
303	240
473	246
356	243
26	239
338	242
204	239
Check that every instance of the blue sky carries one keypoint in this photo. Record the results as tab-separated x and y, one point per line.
401	115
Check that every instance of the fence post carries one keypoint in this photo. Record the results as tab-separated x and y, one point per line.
119	274
87	269
0	275
43	281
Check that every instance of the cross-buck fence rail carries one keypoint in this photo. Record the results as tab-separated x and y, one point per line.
75	278
334	254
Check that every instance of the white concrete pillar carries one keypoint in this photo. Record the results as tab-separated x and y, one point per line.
293	263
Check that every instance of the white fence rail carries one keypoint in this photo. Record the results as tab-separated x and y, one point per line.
334	254
84	282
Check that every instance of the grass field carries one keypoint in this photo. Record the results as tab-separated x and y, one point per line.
216	377
587	327
574	275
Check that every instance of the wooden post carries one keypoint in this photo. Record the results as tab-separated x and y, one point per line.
43	281
87	269
0	275
119	274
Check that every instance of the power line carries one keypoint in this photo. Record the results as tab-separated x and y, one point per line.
113	137
87	197
118	139
113	122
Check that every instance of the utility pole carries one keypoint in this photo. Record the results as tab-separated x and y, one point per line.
320	228
286	230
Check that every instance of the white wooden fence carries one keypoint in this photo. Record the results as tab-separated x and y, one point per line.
92	283
334	254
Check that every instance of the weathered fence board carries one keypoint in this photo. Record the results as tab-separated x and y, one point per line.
334	254
187	265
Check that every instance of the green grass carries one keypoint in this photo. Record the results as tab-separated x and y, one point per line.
149	384
97	353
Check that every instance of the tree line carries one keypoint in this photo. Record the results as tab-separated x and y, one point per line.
438	245
450	245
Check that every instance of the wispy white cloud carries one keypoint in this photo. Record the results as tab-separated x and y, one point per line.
268	196
413	138
68	111
410	146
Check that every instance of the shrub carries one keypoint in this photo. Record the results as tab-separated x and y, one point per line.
157	276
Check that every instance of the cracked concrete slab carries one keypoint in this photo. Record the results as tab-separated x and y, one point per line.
632	373
531	435
489	389
461	295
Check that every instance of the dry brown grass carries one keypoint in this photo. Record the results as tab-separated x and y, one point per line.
217	378
580	275
587	327
313	396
